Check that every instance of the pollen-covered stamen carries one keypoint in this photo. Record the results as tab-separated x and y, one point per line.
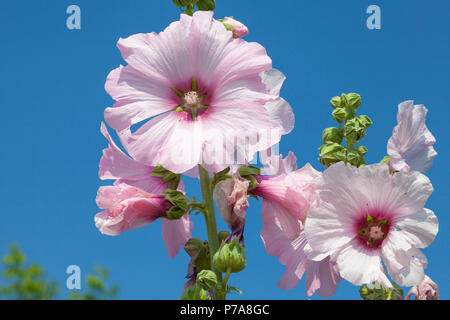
192	99
373	231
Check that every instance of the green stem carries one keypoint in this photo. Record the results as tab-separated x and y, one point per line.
211	227
225	281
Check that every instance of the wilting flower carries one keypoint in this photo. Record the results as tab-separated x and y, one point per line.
367	215
239	29
288	196
231	199
203	95
411	144
427	290
127	208
116	165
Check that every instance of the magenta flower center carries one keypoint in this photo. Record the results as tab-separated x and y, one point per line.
373	231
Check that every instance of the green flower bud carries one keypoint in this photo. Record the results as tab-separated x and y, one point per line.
354	131
364	121
207	279
353	100
194	292
206	5
344	100
332	135
339	115
331	152
179	204
336	102
230	256
354	158
181	3
362	150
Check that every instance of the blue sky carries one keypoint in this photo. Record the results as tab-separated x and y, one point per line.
52	99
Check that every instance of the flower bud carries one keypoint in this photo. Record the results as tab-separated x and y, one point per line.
230	257
332	135
427	290
362	150
206	5
339	115
239	29
199	253
194	292
331	153
181	3
207	279
353	100
336	102
354	158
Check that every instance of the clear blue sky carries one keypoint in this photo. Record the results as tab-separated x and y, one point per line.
52	99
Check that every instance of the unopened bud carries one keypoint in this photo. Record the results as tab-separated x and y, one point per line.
332	135
207	279
339	115
353	100
230	257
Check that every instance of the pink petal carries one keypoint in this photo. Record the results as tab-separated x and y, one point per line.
176	233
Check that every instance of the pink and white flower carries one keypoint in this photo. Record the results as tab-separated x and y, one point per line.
240	30
287	198
127	208
367	215
202	94
115	164
411	144
426	290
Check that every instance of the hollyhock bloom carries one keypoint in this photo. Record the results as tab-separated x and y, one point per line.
367	215
127	208
427	290
231	199
239	30
200	90
411	144
116	165
287	198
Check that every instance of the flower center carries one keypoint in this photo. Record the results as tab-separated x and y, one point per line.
191	101
373	231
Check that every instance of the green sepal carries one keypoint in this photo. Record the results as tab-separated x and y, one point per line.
194	84
180	204
249	170
228	26
220	176
172	179
385	159
232	288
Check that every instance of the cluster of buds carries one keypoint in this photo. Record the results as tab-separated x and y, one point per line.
351	128
188	6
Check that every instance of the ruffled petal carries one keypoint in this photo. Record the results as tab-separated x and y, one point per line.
176	233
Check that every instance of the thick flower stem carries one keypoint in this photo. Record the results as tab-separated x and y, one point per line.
211	227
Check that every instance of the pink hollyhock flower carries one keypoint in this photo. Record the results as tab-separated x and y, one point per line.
231	199
202	93
287	198
427	290
411	144
115	164
239	30
367	215
127	208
